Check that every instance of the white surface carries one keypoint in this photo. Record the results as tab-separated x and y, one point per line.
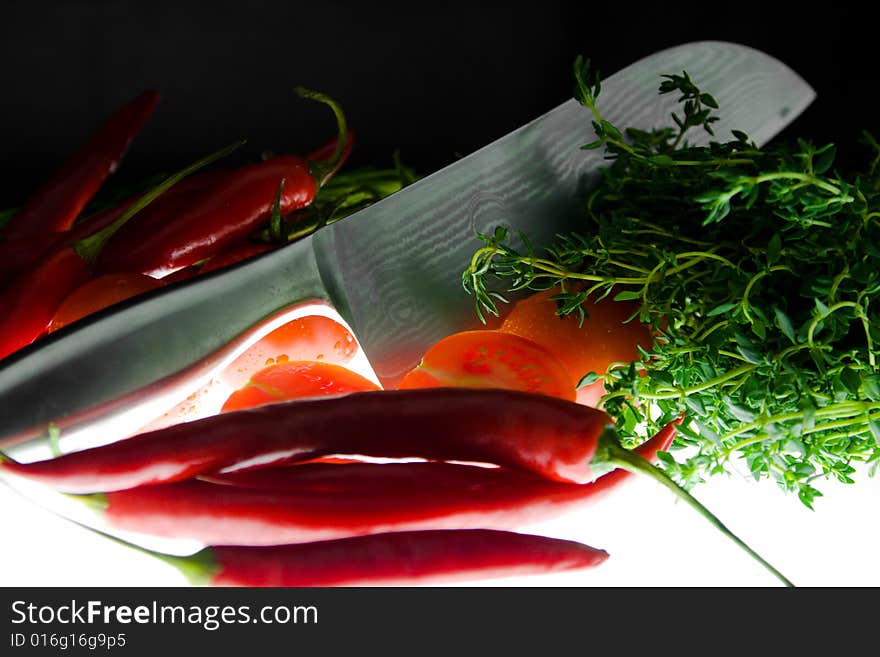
653	539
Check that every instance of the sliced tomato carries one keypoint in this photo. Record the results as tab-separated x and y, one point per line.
491	359
312	338
604	337
296	379
100	293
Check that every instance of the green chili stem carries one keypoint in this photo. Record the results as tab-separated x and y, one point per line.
198	568
610	452
328	165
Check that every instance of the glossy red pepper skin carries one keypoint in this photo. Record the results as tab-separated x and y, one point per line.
58	202
236	253
213	221
535	433
37	294
23	254
31	302
182	274
340	476
399	559
164	209
314	502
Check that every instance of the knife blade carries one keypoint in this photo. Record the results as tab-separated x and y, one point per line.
391	270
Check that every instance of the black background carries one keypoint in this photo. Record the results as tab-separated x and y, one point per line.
434	81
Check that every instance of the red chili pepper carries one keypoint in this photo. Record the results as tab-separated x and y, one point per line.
214	221
29	306
551	437
31	302
55	205
397	558
23	254
402	558
236	253
247	249
182	274
295	504
165	208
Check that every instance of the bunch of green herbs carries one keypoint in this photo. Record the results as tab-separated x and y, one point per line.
758	270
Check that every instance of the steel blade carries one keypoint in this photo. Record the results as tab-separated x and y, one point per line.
397	268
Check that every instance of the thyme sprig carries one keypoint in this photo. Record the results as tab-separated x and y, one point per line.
759	271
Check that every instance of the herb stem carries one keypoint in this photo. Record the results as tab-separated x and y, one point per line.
744	303
834	411
662	233
684	392
816	320
805	178
701	337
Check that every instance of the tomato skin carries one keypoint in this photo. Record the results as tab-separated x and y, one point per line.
311	338
296	379
305	339
605	337
491	359
99	293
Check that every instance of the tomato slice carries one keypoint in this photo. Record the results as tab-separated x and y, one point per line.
296	379
491	359
605	337
100	293
312	338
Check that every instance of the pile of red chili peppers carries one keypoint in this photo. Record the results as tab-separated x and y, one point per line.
266	489
281	493
51	246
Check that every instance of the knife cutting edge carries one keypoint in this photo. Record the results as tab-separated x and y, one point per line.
391	270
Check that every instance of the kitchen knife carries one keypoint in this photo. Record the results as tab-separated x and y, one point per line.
392	270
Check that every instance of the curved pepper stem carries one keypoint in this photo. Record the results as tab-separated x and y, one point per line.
97	502
199	568
610	454
326	168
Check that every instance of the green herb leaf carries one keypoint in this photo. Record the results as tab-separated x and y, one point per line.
587	379
759	269
627	295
